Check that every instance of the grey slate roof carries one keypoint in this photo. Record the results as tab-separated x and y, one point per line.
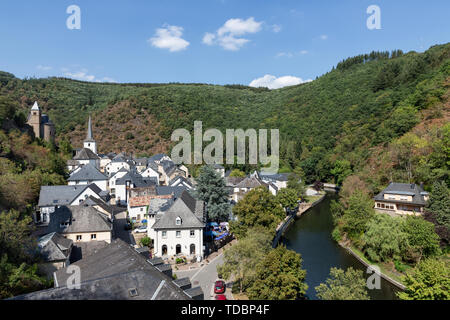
158	205
87	173
79	219
183	179
61	195
188	209
273	177
137	180
86	154
110	274
413	190
166	190
250	182
54	247
157	157
92	201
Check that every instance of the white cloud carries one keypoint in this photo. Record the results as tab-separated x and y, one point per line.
324	37
43	68
229	36
276	28
273	82
83	75
284	54
169	37
304	52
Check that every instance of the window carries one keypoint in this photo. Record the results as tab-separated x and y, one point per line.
142	209
178	221
192	233
178	234
79	237
93	236
164	234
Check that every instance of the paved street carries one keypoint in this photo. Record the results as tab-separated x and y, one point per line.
119	226
205	277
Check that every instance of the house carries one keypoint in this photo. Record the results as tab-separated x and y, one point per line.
151	170
181	181
118	272
118	162
55	251
402	199
179	230
113	178
176	192
247	184
231	183
88	174
280	180
129	181
51	197
138	207
100	205
84	157
157	207
81	224
42	126
104	161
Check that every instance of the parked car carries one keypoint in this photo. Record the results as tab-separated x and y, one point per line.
141	229
221	297
219	286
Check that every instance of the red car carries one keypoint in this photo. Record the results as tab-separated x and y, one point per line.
221	297
219	286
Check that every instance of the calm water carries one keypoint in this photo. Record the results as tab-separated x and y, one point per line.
310	236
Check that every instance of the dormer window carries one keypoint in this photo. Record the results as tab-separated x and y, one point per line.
178	221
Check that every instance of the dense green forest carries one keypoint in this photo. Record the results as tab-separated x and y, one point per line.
26	163
334	126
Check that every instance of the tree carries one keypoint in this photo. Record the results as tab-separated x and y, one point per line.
15	240
240	260
212	189
341	170
439	203
279	276
343	285
258	208
287	198
422	239
384	238
7	108
237	173
429	280
359	212
349	186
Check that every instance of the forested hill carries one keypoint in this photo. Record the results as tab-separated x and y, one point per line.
348	120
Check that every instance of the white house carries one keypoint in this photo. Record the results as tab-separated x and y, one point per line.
52	197
112	181
138	208
85	157
245	186
129	181
118	162
88	174
179	230
180	181
151	171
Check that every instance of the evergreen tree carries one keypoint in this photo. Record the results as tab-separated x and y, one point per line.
439	203
343	285
212	189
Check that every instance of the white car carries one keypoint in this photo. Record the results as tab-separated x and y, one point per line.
142	229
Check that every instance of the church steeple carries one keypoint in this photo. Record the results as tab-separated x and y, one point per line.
89	132
89	142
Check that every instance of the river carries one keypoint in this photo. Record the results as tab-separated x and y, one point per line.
310	235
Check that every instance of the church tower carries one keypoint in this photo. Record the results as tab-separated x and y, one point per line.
89	142
34	119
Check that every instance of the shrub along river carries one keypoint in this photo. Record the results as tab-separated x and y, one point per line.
310	235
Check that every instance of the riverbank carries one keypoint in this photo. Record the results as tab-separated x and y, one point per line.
367	263
284	225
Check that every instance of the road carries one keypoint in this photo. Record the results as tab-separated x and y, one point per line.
205	278
119	226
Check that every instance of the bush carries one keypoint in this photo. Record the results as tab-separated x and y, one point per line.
336	234
399	266
146	241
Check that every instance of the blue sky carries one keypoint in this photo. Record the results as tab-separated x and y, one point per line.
164	41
